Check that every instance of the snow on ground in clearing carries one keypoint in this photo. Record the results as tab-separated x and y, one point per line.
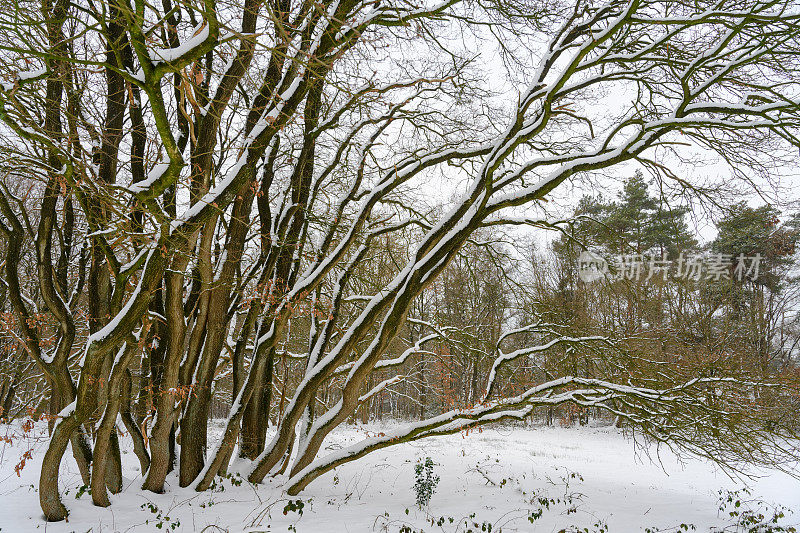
497	474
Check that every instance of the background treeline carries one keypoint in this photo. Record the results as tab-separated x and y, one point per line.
622	326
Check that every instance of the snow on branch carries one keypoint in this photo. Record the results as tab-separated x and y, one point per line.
170	55
676	416
504	358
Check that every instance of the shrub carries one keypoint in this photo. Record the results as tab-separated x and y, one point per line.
426	481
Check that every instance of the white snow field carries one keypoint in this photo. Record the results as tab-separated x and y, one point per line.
591	478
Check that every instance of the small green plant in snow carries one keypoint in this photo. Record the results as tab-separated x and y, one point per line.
426	481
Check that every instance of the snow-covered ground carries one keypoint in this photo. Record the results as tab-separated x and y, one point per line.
578	478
